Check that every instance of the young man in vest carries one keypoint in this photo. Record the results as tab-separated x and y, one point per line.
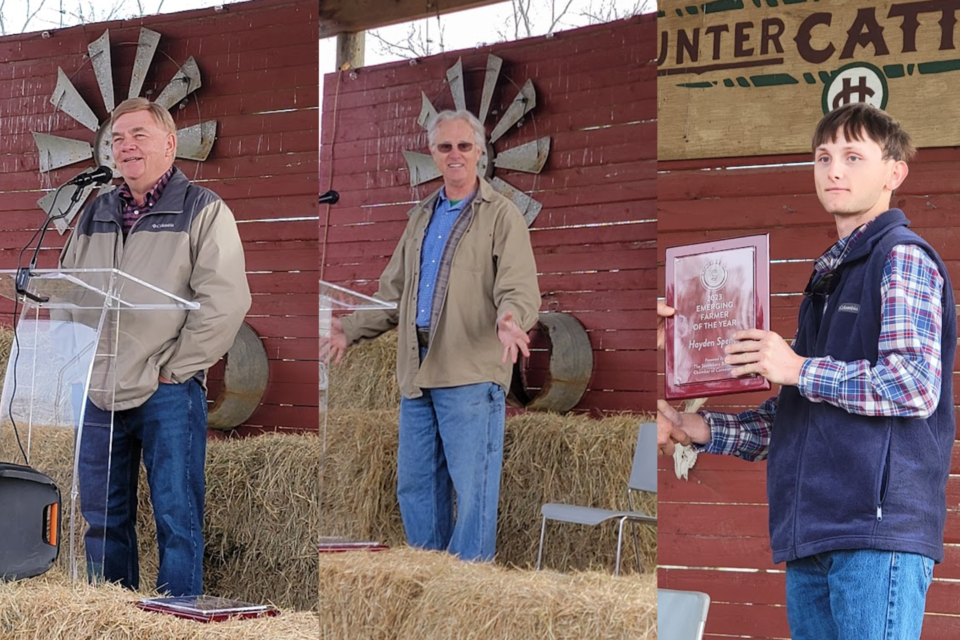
859	440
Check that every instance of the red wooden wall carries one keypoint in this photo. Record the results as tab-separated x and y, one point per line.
595	237
258	62
713	529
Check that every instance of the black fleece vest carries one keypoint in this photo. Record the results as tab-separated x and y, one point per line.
836	480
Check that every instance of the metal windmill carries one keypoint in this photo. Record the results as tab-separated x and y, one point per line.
528	158
193	142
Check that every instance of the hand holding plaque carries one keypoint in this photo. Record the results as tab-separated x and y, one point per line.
717	289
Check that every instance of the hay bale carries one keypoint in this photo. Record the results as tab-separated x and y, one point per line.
572	459
407	594
53	608
261	519
367	376
369	595
547	458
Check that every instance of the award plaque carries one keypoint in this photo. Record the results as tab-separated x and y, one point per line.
717	289
206	608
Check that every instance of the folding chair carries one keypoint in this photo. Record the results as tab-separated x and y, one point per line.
643	477
681	615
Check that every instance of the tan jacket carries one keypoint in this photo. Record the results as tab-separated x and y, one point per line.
493	271
187	245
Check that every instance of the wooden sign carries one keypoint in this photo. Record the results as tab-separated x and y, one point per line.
753	77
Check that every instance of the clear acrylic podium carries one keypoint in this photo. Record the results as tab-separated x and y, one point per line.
335	301
64	350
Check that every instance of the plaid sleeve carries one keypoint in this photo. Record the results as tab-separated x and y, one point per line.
906	379
744	435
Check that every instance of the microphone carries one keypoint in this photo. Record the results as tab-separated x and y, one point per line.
330	197
100	175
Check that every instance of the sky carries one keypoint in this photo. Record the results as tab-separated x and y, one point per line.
25	16
473	27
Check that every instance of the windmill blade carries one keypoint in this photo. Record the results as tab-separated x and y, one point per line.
422	168
99	51
65	207
66	98
489	84
529	157
523	103
146	47
184	83
195	143
455	78
529	207
56	152
427	111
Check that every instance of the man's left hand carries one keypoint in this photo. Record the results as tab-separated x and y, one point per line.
764	353
165	381
512	337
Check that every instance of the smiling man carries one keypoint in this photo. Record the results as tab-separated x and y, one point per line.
464	278
860	438
182	238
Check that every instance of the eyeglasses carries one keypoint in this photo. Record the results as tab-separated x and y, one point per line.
824	285
447	147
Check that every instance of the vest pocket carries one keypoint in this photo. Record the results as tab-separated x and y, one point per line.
884	476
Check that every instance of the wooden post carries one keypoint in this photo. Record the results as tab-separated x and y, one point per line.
350	50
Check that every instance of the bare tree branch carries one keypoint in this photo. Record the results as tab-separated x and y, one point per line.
417	44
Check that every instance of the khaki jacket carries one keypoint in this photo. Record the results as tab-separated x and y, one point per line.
493	271
187	245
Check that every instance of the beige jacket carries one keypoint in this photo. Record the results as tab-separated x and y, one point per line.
187	245
493	271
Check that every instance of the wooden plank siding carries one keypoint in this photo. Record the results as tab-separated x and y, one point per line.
713	533
594	240
258	63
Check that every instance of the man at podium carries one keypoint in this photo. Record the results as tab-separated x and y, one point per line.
465	281
181	238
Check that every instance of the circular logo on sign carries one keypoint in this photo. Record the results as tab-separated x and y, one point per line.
855	82
713	275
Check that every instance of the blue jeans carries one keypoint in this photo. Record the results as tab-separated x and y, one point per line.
451	441
862	594
170	430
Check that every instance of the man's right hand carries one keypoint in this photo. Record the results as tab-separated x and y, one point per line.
674	428
333	347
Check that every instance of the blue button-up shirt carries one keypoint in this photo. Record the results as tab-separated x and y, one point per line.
445	213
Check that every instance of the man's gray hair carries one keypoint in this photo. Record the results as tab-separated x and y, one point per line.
461	114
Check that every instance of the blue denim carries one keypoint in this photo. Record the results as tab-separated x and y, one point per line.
451	443
170	431
863	594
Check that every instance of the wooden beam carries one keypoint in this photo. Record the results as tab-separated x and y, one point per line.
352	16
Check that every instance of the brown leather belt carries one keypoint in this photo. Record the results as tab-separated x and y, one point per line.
423	337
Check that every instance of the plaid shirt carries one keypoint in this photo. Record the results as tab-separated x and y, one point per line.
131	210
904	383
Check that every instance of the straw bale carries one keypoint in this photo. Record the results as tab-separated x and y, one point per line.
261	518
367	376
368	595
408	594
53	608
547	458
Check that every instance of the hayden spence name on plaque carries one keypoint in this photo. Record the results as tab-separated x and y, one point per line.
717	289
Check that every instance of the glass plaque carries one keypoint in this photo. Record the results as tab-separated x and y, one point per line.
717	289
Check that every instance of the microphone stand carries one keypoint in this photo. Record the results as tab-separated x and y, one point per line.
25	273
